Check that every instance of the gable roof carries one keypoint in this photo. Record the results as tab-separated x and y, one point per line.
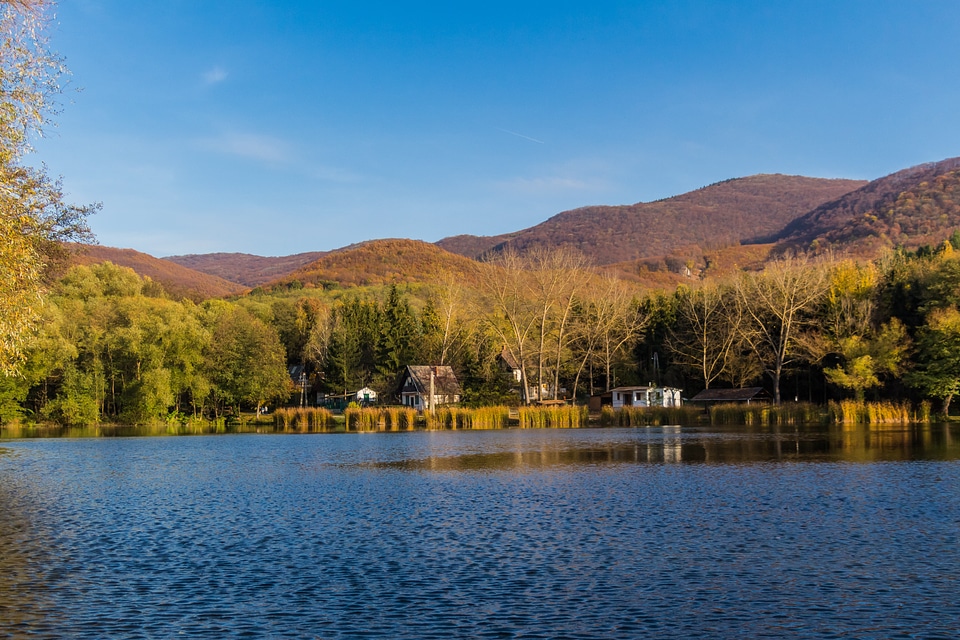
731	395
445	381
507	356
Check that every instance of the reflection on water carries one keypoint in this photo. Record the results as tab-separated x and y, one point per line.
595	533
729	445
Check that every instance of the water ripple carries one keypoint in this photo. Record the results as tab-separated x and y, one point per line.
492	535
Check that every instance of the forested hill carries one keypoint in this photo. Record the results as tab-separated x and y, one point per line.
725	213
179	281
913	207
379	262
244	268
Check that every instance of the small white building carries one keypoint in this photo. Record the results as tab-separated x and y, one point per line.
645	397
366	396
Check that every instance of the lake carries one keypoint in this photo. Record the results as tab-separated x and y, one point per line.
662	532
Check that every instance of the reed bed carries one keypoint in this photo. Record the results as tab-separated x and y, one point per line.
765	415
565	417
303	420
849	412
648	416
487	418
399	418
364	419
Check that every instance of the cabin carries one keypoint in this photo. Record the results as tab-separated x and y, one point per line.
747	395
418	381
366	396
649	396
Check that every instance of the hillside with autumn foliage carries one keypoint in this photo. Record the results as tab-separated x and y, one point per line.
380	262
727	213
910	208
244	268
177	280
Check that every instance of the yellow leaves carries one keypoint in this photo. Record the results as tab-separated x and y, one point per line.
20	289
849	279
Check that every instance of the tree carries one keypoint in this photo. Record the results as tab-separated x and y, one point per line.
399	336
865	359
558	275
938	365
508	308
777	304
246	361
33	214
707	331
608	320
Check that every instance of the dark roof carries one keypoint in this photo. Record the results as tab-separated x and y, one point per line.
444	379
731	395
508	358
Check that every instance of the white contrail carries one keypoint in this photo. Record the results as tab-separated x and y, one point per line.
520	135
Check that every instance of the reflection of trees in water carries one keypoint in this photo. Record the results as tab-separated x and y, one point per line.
744	445
29	581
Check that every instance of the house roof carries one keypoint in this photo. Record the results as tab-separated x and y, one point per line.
444	379
508	359
731	395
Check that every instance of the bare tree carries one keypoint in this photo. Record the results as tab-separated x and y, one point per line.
508	308
707	330
776	304
557	276
609	320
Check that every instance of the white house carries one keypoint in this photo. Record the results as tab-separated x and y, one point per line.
366	396
645	397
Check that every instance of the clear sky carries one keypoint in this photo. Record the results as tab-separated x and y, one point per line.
276	127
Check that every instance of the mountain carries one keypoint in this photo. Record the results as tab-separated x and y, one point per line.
244	268
380	262
725	213
912	207
178	280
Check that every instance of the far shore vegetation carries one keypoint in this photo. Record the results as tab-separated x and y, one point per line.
835	341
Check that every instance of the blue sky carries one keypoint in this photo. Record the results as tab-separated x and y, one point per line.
280	127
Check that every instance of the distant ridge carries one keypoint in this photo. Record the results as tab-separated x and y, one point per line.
178	280
721	214
244	268
915	206
381	262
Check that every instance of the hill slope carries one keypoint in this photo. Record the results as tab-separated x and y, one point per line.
380	262
244	268
916	206
725	213
176	279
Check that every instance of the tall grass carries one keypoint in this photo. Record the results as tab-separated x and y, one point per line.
848	412
648	416
302	420
399	418
565	417
488	418
791	414
364	419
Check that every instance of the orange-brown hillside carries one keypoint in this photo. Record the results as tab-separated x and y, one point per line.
916	206
380	262
244	268
727	213
179	281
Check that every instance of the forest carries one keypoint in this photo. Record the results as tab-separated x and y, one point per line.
113	347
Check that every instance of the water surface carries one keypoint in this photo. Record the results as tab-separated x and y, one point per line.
607	533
